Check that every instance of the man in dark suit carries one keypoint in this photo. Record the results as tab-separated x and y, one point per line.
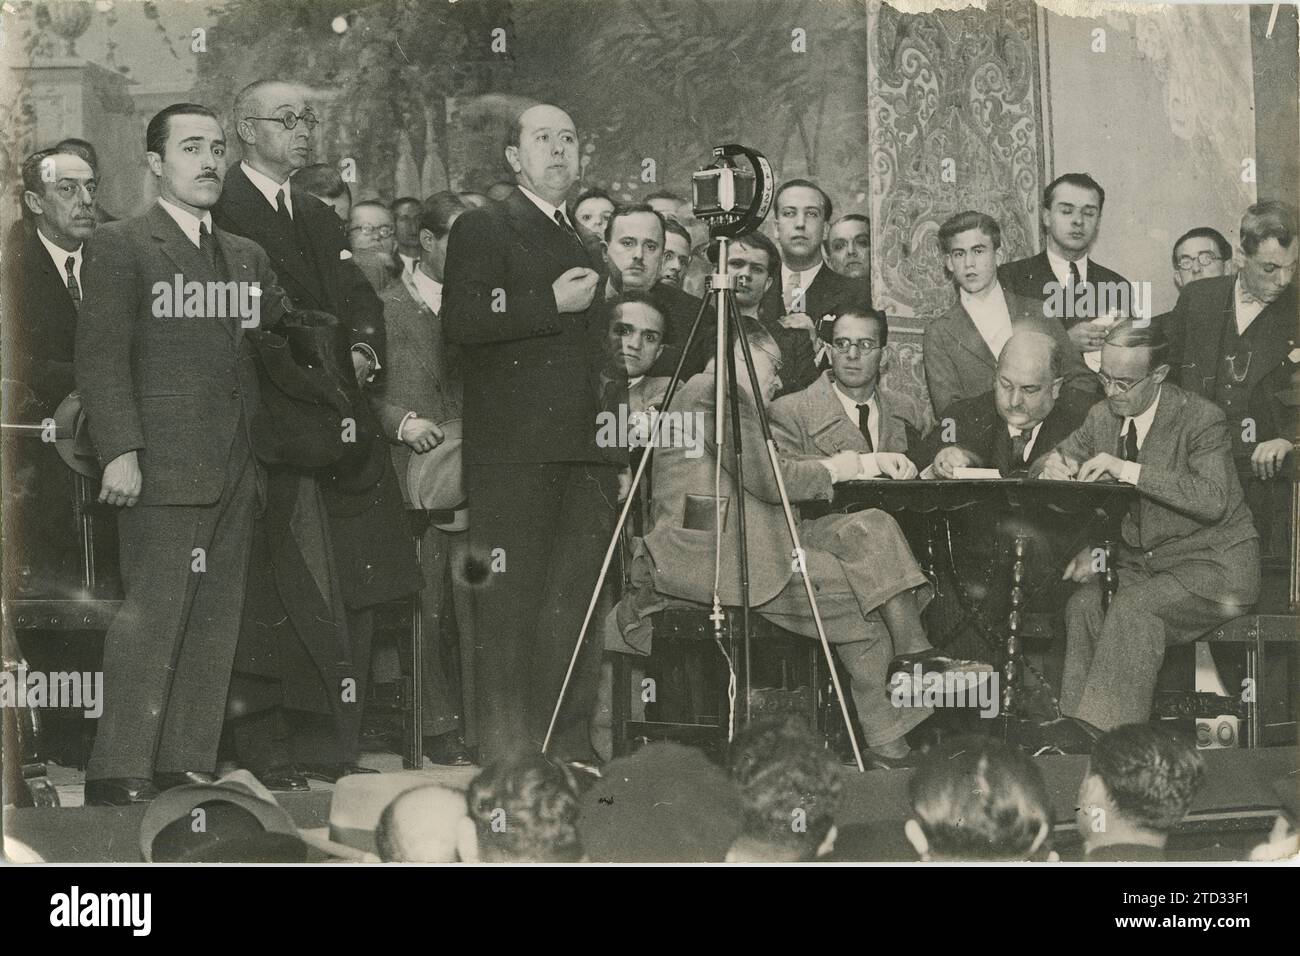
961	347
420	391
807	292
302	235
1189	557
1140	782
1023	418
519	298
42	291
1233	337
1074	290
170	397
846	409
848	246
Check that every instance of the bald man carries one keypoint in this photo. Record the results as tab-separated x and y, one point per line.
1020	421
424	825
521	298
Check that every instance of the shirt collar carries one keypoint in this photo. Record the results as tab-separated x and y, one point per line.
429	288
993	299
806	276
1143	421
1061	267
1013	431
268	187
188	222
547	209
60	256
851	404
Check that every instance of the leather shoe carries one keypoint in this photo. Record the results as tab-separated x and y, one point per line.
448	750
1066	735
330	772
284	779
181	778
119	791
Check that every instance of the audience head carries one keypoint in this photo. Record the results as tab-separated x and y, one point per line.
1138	786
667	203
473	200
768	360
80	147
440	212
634	246
1200	253
186	150
370	228
590	212
323	181
1134	361
802	210
428	824
790	790
848	246
407	211
978	799
636	332
677	253
543	152
1072	214
1029	378
665	803
523	810
970	241
1269	249
858	339
262	114
755	263
59	196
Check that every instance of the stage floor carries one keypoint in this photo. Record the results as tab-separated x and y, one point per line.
1233	811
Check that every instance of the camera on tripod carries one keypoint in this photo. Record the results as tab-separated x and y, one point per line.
732	200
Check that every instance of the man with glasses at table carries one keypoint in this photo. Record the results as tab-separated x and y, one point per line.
301	234
846	409
1189	555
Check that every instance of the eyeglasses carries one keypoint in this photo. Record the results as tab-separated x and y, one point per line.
1119	385
290	120
844	346
1204	258
383	232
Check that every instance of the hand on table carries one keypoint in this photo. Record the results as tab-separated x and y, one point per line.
1101	466
844	466
949	459
1056	467
896	466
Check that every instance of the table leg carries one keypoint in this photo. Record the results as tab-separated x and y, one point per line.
1110	577
1011	668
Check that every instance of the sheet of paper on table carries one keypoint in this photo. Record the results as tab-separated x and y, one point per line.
991	473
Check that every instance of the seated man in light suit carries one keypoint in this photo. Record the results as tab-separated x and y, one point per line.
1020	421
418	394
869	588
845	409
962	346
1189	558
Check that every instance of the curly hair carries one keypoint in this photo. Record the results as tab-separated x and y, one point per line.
1150	773
525	809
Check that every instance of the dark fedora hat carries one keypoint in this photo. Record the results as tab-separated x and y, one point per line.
72	437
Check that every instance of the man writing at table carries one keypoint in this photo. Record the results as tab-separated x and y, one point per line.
1189	557
845	409
1020	421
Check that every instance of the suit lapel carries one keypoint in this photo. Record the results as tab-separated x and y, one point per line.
255	218
969	338
892	431
1278	334
425	325
540	233
829	426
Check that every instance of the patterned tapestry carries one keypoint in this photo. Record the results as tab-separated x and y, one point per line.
954	124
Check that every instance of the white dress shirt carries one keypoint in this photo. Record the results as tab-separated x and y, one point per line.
870	468
1131	470
188	222
806	277
991	315
1246	312
409	263
1061	268
430	289
1014	432
268	187
60	257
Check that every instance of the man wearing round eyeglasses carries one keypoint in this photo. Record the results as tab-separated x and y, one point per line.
1201	253
1189	556
845	409
1235	338
372	239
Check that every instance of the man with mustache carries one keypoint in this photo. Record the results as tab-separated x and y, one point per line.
170	401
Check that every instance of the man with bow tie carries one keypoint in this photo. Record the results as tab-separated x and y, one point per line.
1189	555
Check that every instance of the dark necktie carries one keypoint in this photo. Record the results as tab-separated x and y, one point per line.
568	229
864	425
74	289
282	210
1129	452
207	246
1075	278
1018	445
